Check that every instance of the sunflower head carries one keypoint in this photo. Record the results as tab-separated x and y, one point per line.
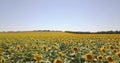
2	59
74	49
53	46
109	59
26	46
1	49
86	46
36	56
35	47
118	54
44	47
89	56
104	47
58	61
110	43
114	50
18	47
61	53
111	47
9	50
103	50
91	41
112	62
100	57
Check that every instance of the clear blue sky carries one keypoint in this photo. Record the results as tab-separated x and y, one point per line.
77	15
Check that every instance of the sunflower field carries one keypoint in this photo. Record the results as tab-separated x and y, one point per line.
59	47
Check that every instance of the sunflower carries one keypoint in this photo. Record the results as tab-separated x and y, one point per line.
53	46
26	46
36	57
18	47
100	57
35	47
1	49
109	59
117	44
103	50
74	49
91	41
89	56
2	59
114	50
9	50
110	43
58	61
61	53
118	54
86	46
112	62
111	47
44	47
104	47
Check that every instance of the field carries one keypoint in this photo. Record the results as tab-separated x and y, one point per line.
59	47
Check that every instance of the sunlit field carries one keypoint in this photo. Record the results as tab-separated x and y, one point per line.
59	47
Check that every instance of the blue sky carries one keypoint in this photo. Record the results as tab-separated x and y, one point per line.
76	15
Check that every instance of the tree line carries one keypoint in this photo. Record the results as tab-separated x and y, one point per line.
100	32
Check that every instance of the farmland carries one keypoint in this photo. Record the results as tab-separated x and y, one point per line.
59	47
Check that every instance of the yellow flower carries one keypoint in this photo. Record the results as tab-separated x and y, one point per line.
18	47
111	47
75	49
110	43
58	61
118	54
2	59
35	47
89	56
44	47
103	50
53	46
117	44
61	53
112	62
94	47
109	59
91	41
100	57
36	57
86	46
1	49
26	46
114	50
9	50
104	47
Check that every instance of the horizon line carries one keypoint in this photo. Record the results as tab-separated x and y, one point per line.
55	30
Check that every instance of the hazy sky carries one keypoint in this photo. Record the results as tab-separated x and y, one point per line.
82	15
